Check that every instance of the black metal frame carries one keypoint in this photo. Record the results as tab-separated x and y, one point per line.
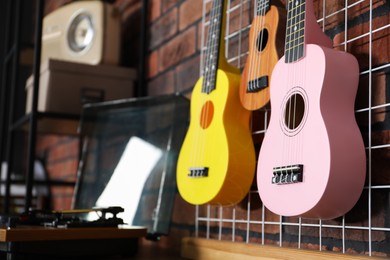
11	12
9	123
34	114
11	64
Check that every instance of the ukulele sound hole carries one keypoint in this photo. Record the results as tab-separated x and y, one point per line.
207	114
294	111
262	40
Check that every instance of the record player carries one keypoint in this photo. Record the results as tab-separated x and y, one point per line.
73	218
126	173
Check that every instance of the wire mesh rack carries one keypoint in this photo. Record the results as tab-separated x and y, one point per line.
361	28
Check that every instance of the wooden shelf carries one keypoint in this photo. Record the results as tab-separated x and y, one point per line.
69	243
197	248
47	233
51	123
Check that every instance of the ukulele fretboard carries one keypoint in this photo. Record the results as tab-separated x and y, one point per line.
211	53
295	31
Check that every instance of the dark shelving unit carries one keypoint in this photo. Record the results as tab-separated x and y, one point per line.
10	77
14	121
19	21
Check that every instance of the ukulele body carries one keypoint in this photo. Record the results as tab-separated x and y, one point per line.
266	44
324	144
219	139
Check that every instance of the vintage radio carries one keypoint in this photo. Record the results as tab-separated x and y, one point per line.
84	31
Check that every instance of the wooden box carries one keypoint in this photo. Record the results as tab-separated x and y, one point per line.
66	86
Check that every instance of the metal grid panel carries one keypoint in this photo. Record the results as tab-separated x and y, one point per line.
252	223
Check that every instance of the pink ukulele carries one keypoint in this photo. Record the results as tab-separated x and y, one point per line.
312	161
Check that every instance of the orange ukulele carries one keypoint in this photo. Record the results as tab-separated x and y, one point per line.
266	44
216	164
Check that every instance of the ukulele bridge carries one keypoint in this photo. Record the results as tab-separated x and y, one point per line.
257	84
198	172
287	174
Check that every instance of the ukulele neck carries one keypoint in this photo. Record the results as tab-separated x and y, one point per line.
295	30
302	28
213	46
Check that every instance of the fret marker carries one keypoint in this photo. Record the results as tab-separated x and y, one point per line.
297	3
213	67
295	28
207	69
213	35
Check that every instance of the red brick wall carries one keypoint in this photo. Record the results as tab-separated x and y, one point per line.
61	156
173	59
175	29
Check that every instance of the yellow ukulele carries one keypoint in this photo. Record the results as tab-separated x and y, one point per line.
266	45
216	163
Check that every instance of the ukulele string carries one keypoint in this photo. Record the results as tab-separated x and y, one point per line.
292	103
258	36
290	51
303	83
252	45
198	145
292	109
285	111
210	75
293	82
261	42
300	79
268	59
253	56
194	142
